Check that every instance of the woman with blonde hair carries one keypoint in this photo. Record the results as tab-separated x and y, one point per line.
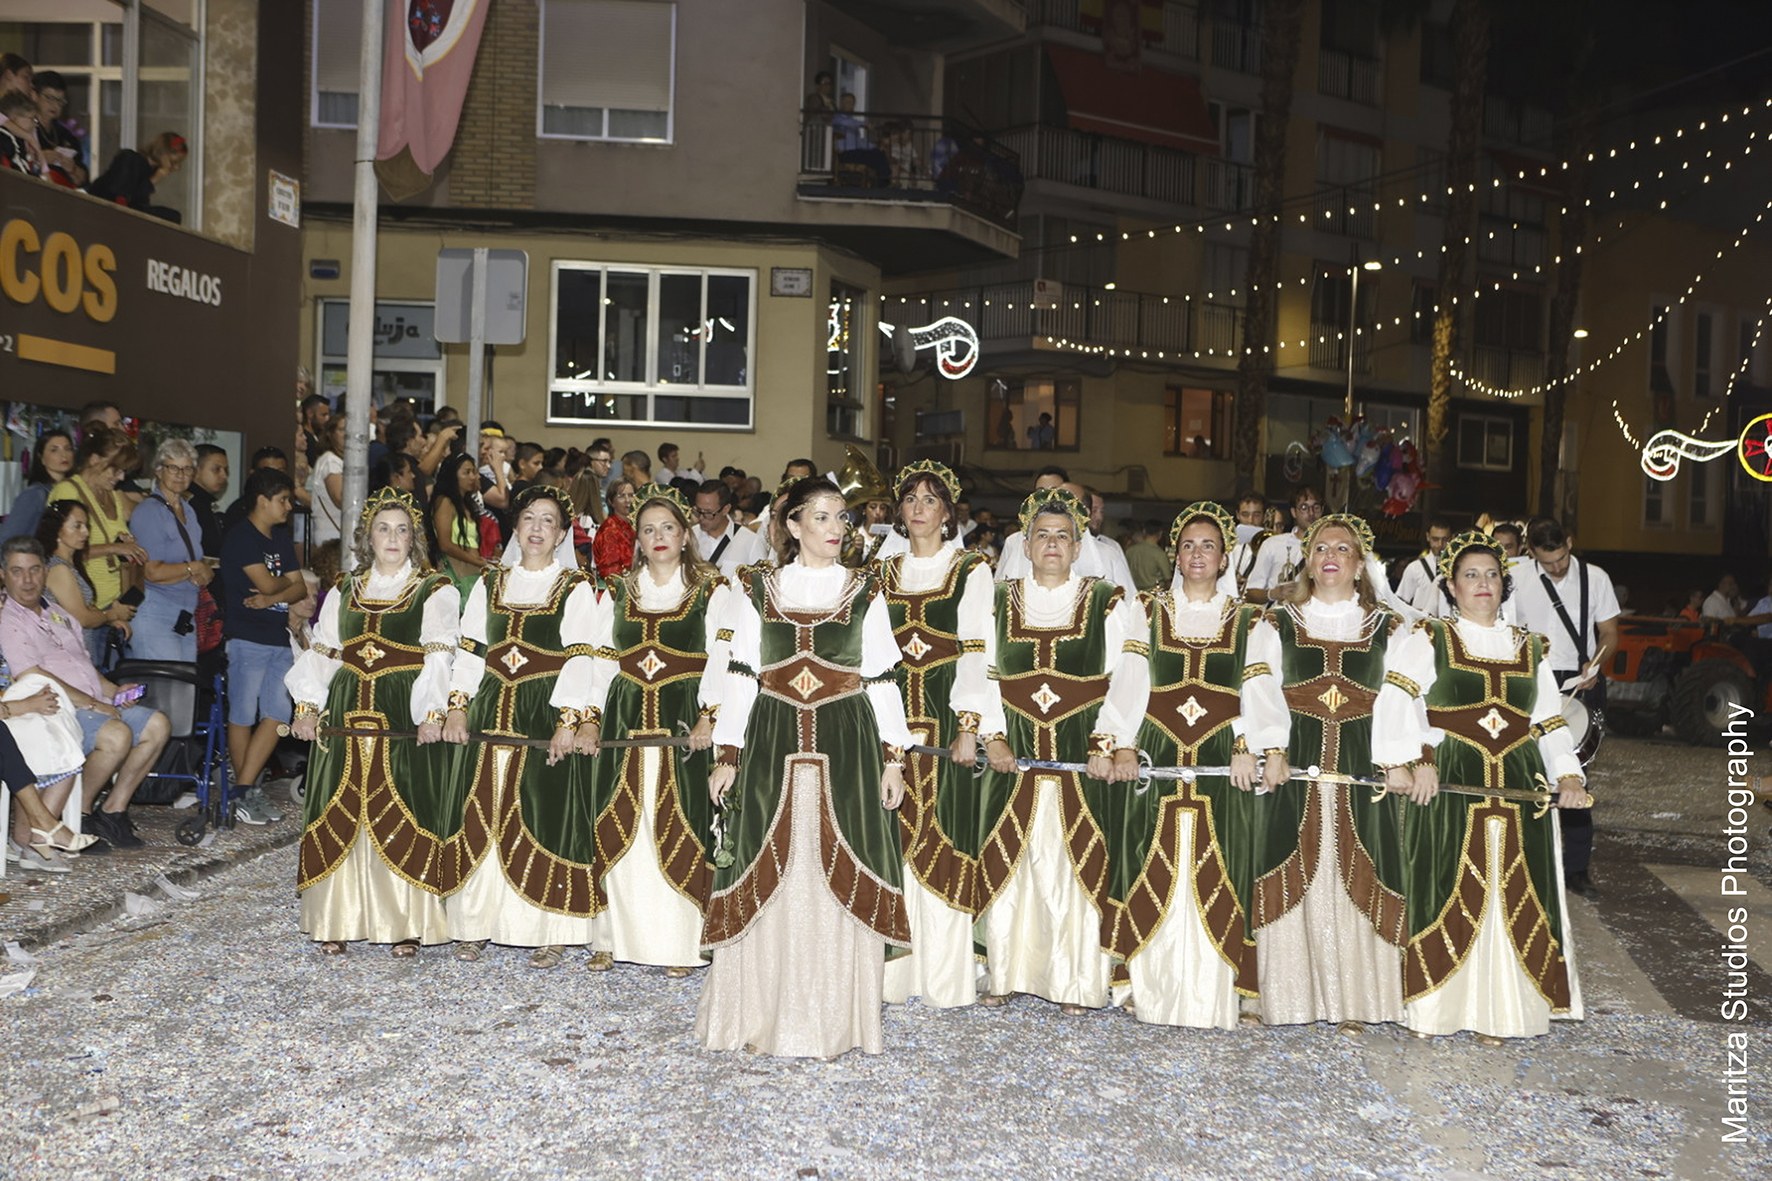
378	659
660	672
1328	903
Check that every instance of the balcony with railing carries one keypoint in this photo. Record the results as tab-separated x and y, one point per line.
1347	210
1236	46
1179	31
1131	167
1347	75
1009	315
1328	348
908	158
1505	368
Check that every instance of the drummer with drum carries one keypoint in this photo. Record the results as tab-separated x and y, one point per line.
1573	604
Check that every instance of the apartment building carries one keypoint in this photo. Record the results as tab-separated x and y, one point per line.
184	324
707	241
1122	317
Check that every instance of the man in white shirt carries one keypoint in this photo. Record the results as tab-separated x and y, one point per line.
718	539
1417	584
1572	603
1281	556
1251	506
667	466
1113	556
1725	601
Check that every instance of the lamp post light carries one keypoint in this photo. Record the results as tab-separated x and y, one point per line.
1353	320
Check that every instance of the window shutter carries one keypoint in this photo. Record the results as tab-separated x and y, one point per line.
613	54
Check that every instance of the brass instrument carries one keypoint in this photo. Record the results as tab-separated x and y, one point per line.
859	480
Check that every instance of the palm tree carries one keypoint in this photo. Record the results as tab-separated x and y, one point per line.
1281	23
1470	44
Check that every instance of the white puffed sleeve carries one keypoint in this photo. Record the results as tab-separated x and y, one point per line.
1129	674
1558	746
469	667
1399	716
578	624
974	692
1395	600
744	653
879	656
440	632
1265	722
604	666
718	645
309	679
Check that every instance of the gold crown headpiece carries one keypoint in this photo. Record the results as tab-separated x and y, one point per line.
927	467
1464	541
1211	511
1356	525
664	492
386	498
543	492
1054	500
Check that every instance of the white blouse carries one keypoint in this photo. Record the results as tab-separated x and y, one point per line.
653	597
802	588
1122	711
973	690
310	678
1399	721
529	588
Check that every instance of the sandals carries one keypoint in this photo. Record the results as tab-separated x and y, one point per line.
543	958
404	950
72	843
470	951
601	961
993	1000
678	973
332	947
1074	1010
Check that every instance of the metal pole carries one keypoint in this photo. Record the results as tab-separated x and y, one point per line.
360	337
1353	314
476	351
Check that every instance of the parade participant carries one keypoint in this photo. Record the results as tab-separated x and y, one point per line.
378	659
1572	603
661	664
1328	899
1472	701
1059	653
1417	585
810	763
519	860
940	599
1180	852
1251	535
1281	556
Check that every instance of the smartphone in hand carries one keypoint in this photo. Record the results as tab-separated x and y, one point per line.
129	695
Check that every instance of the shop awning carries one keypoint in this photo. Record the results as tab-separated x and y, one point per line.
1154	106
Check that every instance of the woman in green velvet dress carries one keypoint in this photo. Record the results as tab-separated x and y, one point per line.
380	656
810	746
519	867
1472	701
661	665
1328	900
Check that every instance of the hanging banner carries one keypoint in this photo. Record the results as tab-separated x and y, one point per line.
426	65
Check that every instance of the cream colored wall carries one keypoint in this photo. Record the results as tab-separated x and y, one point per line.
788	362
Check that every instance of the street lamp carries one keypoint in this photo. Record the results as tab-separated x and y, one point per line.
1353	314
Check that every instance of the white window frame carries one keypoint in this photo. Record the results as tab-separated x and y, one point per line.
1486	421
670	136
651	389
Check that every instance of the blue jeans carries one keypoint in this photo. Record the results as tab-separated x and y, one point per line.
151	635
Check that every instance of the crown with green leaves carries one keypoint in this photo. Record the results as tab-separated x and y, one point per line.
536	492
387	498
927	467
1054	500
650	492
1464	541
1356	525
1210	511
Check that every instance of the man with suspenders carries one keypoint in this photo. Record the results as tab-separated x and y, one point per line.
718	539
1416	585
1572	603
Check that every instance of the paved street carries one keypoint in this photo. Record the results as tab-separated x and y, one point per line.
228	1049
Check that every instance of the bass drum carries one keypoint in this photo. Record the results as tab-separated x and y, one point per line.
1586	727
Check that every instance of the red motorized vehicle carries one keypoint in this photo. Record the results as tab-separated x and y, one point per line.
1681	673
